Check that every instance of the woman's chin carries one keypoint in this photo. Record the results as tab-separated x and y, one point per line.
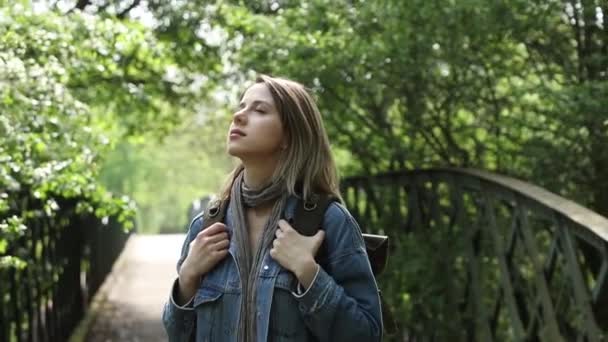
234	151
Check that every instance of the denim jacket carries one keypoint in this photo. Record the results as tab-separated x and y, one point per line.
341	304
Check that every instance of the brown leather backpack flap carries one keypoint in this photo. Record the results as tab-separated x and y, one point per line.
377	251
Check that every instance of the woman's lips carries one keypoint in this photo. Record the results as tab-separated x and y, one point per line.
236	133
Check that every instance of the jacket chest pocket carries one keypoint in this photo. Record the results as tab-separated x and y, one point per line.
286	322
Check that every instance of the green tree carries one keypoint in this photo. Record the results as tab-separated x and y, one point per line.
514	86
73	86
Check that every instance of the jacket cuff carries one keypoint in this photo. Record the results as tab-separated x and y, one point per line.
317	293
300	292
179	321
175	294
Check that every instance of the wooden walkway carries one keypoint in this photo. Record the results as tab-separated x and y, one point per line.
136	291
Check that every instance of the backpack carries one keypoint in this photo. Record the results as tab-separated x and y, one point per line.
308	217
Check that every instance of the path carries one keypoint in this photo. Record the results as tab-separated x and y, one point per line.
140	286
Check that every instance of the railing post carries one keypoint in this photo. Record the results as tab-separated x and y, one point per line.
580	291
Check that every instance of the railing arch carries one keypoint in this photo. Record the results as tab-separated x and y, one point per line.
481	256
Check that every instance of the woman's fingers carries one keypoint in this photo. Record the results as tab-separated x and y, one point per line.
284	226
216	238
213	229
223	244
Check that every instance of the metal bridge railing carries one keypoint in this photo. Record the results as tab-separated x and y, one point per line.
68	258
482	257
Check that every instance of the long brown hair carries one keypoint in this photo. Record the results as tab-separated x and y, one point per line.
306	165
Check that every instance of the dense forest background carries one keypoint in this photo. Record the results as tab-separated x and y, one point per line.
126	103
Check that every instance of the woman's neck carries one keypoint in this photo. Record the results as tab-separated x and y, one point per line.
258	175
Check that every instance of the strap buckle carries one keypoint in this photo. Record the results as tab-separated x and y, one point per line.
310	206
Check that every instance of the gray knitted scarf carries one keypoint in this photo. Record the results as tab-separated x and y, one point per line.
249	267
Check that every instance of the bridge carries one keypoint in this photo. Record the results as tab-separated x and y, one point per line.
500	260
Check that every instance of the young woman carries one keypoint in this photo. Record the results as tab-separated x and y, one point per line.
254	278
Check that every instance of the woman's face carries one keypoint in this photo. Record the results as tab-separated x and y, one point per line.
256	130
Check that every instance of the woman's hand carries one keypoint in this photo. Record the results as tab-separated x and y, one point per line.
297	252
208	248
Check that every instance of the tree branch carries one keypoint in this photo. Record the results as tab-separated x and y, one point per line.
80	5
126	11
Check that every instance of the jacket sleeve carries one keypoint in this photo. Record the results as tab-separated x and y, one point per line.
342	303
179	321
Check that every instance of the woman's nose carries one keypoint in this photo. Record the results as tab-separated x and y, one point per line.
240	117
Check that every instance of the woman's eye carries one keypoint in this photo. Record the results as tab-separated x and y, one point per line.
260	110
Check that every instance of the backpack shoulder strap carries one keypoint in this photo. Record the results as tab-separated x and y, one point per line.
308	218
308	215
215	212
